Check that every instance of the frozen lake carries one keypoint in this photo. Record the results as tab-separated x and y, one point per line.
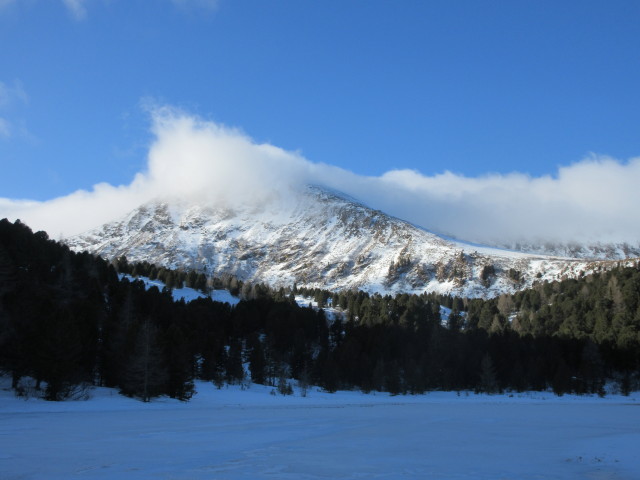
233	434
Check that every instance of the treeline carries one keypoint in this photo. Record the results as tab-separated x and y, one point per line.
171	278
571	336
603	307
66	320
196	280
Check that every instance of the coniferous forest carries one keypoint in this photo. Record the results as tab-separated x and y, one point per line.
68	321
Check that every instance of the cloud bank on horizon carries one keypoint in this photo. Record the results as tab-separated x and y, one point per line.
594	200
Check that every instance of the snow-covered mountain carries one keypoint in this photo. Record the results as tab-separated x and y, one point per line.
587	251
318	238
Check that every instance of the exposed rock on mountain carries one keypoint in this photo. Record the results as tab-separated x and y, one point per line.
586	251
318	238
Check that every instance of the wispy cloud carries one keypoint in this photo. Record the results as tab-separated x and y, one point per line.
12	93
6	3
209	5
77	8
10	96
5	128
595	199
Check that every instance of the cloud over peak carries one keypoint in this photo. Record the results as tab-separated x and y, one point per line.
191	157
593	200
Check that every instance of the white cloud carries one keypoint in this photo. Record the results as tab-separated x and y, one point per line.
61	216
77	8
592	200
595	199
193	157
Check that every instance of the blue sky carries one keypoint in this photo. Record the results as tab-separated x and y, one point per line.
474	88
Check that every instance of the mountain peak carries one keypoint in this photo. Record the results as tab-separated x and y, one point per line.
320	238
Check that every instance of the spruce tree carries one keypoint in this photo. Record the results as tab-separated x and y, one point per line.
145	375
488	381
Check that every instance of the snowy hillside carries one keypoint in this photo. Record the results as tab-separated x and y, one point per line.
322	239
587	251
185	293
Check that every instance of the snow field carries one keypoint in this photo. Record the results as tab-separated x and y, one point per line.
250	434
185	293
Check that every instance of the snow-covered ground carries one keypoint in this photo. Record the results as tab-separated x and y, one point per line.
234	434
187	294
224	296
330	313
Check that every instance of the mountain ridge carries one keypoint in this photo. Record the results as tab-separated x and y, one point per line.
319	238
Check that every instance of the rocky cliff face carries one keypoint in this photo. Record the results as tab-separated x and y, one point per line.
318	238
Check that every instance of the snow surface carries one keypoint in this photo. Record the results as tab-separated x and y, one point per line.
187	294
235	434
224	296
330	313
444	315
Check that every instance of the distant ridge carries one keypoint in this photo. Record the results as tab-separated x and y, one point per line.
320	238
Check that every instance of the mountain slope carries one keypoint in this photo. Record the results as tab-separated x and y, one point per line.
586	251
317	238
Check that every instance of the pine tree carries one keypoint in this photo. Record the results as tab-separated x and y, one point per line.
179	364
561	383
284	388
488	381
145	375
59	355
234	369
330	375
455	321
257	361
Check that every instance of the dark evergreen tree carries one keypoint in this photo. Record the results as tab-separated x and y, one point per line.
179	364
257	360
488	380
234	369
145	374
